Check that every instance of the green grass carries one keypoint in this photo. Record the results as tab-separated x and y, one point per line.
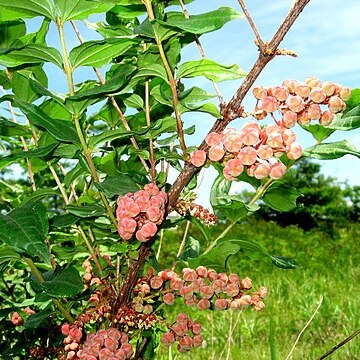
330	268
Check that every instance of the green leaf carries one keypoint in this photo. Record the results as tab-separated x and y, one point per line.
210	69
11	31
283	262
203	23
9	128
112	86
329	151
40	319
281	197
151	70
15	9
318	131
354	100
64	221
119	184
6	254
134	101
219	188
86	211
39	194
234	210
31	54
191	250
61	129
24	229
208	108
194	95
79	9
64	283
349	121
98	53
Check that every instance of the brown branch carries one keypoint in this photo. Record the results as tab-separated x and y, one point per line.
357	332
229	112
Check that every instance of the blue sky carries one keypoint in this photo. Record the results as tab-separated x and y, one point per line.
326	37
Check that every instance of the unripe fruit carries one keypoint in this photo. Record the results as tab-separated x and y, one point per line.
259	92
313	82
206	292
290	84
197	341
269	104
247	155
203	304
250	137
189	274
289	119
201	271
294	151
275	140
345	93
302	90
186	342
336	104
234	279
168	338
216	153
232	290
280	92
213	139
196	328
233	143
212	274
180	329
277	170
303	118
259	306
317	95
288	137
221	304
295	103
233	168
156	282
169	299
314	111
198	158
246	283
326	118
265	152
329	88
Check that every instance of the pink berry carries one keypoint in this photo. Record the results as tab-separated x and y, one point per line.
234	279
186	342
247	155
232	290
218	285
326	118
169	299
295	103
189	274
246	283
265	152
213	139
269	104
294	151
329	88
277	170
168	338
290	85
317	95
336	104
203	304
197	341
280	92
233	168
289	119
233	143
259	92
198	158
180	329
313	82
201	271
221	304
314	112
206	292
216	153
345	93
302	90
196	328
156	282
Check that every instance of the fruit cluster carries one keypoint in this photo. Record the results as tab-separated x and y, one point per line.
184	207
141	212
300	102
253	148
203	288
104	344
186	331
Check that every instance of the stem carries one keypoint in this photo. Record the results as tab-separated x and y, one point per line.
182	244
171	80
148	123
40	278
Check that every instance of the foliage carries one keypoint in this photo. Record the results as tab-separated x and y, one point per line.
95	162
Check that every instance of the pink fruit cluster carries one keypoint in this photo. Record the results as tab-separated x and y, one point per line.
203	288
110	344
253	148
186	331
300	102
184	207
140	213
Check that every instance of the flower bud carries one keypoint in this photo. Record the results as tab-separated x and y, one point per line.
156	282
233	143
203	304
232	290
280	93
221	304
201	271
345	93
168	338
197	341
196	328
294	151
259	306
314	111
169	298
233	168
189	274
290	84
313	82
206	292
265	152
303	118
246	284
329	88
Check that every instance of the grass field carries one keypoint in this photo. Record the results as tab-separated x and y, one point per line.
330	270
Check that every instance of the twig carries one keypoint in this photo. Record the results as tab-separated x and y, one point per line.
304	328
356	333
148	123
251	22
182	244
201	50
